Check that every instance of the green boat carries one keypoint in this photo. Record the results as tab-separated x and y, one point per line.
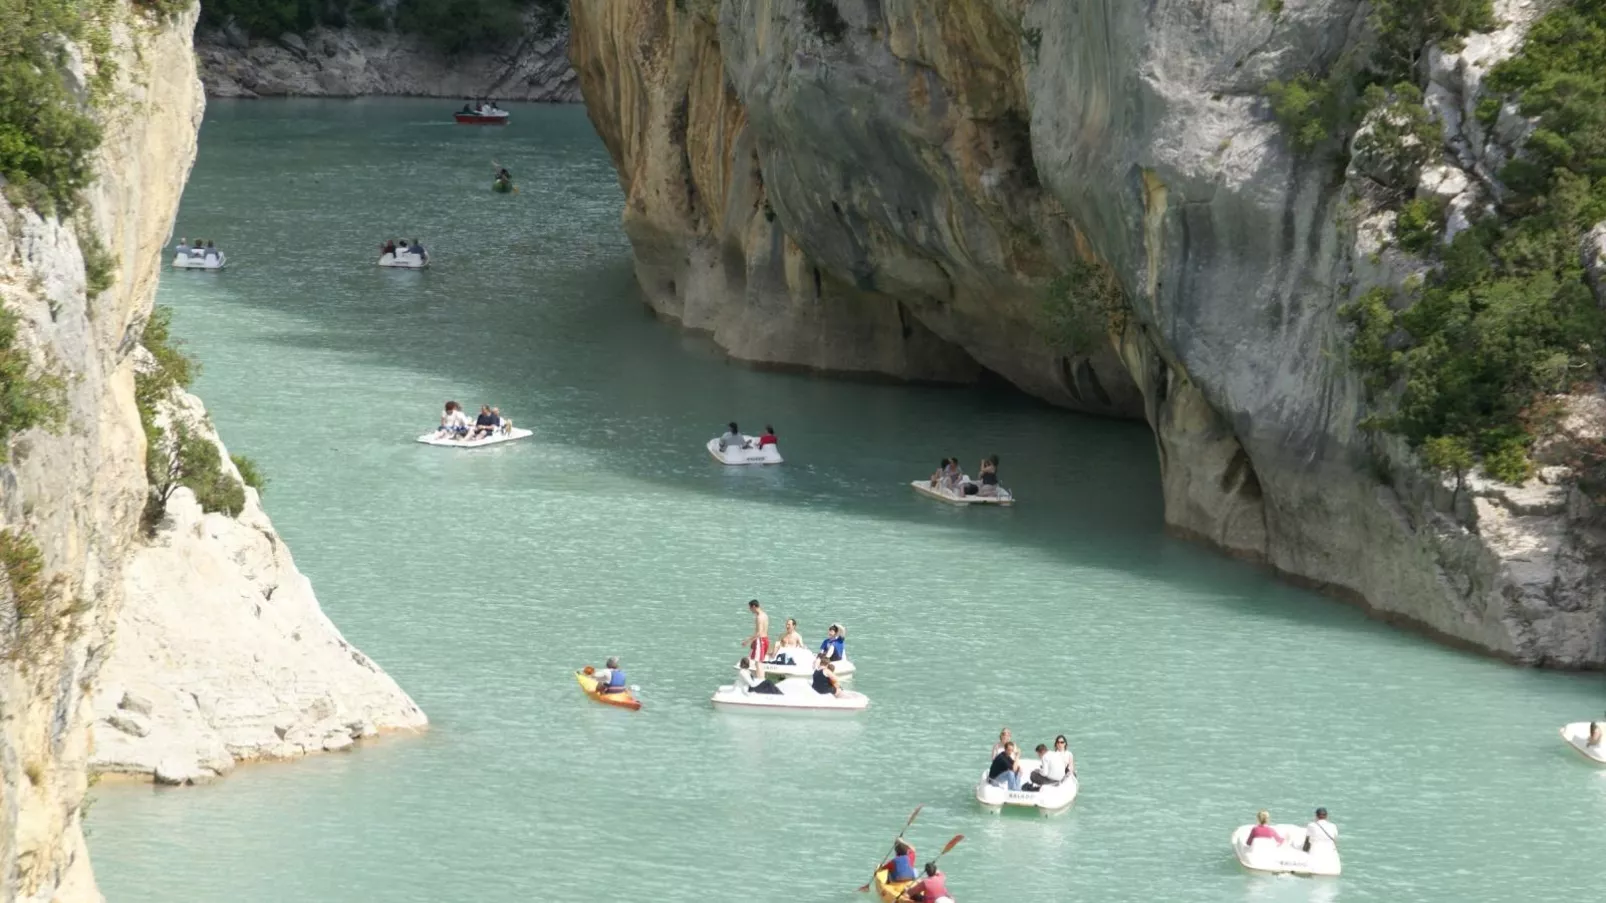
502	185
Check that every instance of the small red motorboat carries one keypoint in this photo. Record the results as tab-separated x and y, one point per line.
481	112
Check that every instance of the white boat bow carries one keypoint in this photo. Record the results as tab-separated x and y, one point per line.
1577	736
1286	858
1050	799
802	663
435	438
750	453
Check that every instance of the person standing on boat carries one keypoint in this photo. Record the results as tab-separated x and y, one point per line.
901	867
1321	834
833	648
1005	770
733	438
611	679
931	889
758	645
751	674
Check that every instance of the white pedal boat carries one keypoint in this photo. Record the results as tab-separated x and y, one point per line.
803	663
769	454
196	260
405	260
942	494
1576	735
433	437
1051	799
795	696
1286	858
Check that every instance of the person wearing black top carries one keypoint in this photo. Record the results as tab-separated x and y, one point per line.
485	424
823	681
1005	769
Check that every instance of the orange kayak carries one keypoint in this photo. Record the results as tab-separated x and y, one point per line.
588	685
889	893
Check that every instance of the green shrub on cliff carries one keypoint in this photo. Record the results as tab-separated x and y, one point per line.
250	473
1084	306
26	400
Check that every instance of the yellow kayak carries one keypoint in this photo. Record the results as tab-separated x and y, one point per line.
588	685
889	893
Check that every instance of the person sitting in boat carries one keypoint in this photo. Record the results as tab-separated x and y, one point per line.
484	425
989	477
834	646
931	889
183	245
211	251
790	636
388	248
901	867
1263	830
940	475
1321	834
1057	764
768	438
751	675
502	423
733	438
824	681
1005	770
1002	744
611	679
418	248
454	423
1594	735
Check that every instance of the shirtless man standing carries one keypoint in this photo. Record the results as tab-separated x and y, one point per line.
758	644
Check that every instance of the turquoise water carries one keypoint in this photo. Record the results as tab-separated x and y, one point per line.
1195	690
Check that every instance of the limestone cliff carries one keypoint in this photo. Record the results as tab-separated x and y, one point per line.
891	186
353	62
222	653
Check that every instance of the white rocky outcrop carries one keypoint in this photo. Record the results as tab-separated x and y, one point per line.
222	653
353	62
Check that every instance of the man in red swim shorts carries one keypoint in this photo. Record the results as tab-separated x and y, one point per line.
758	645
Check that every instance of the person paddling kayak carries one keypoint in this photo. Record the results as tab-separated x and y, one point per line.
611	679
931	889
901	867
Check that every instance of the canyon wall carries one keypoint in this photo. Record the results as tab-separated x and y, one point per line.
907	186
354	62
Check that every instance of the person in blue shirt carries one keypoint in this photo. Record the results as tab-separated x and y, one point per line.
833	648
614	680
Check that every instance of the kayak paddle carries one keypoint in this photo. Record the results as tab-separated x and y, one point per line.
946	847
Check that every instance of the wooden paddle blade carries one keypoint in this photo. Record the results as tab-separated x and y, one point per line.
952	843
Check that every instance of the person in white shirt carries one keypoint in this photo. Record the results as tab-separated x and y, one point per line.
750	673
454	423
1321	834
1057	763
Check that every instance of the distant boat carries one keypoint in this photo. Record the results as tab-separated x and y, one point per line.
483	115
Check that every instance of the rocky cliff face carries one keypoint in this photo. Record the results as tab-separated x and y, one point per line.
222	653
354	62
891	185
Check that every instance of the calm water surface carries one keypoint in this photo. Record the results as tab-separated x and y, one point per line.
1194	690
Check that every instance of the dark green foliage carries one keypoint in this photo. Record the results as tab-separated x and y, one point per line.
1310	110
825	20
26	401
1401	136
1084	306
199	466
24	569
47	135
1420	224
250	473
1406	27
100	265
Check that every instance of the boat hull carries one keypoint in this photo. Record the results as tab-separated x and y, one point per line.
404	261
588	686
1004	499
480	119
803	699
1286	858
1575	735
737	457
889	892
1047	801
190	262
497	438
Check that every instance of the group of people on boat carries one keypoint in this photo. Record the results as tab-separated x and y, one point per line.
1054	766
391	246
790	651
930	887
480	107
1321	835
203	248
950	477
455	423
733	438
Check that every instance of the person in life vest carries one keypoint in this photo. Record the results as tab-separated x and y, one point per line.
901	867
834	647
1263	830
931	889
611	679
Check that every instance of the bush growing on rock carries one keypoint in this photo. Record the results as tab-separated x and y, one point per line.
1398	139
1084	306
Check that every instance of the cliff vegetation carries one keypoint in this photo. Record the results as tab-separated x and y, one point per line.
451	26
